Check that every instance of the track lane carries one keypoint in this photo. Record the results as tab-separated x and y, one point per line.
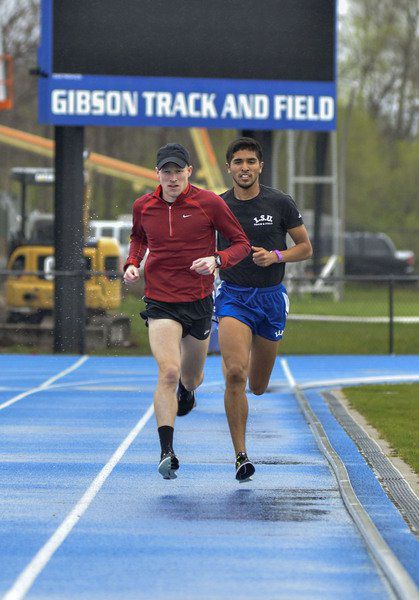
141	538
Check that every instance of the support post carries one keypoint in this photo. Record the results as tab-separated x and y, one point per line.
320	170
391	316
23	207
70	319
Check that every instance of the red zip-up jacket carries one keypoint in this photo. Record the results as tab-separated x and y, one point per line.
176	234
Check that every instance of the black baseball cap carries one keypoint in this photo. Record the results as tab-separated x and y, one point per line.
173	153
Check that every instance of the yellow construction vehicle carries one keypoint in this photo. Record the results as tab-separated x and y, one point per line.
29	287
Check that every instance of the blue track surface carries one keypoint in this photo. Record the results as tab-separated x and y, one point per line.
284	535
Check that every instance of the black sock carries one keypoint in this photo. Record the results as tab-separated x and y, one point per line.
166	438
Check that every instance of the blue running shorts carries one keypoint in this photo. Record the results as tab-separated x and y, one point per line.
263	310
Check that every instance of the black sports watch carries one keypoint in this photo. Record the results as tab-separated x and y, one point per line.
217	260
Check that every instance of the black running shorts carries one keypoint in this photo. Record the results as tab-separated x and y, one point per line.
195	317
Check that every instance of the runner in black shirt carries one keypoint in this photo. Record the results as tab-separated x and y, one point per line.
251	303
266	218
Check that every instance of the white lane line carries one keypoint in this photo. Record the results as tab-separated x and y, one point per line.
26	579
290	378
46	383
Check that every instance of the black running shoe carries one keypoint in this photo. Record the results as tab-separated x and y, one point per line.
168	465
186	400
244	468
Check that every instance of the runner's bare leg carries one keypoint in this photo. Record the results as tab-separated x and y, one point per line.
262	359
165	338
235	339
192	357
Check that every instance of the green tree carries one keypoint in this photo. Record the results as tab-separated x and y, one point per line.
378	50
381	194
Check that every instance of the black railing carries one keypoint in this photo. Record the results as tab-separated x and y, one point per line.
315	286
396	299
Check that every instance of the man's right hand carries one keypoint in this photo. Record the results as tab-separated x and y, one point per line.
132	274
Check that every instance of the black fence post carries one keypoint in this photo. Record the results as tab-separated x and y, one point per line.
391	315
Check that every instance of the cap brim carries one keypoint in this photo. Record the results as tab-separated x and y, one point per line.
172	159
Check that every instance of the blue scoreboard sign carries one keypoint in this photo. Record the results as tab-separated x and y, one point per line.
236	64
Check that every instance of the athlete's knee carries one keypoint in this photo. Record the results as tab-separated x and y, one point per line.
192	382
236	375
257	388
169	375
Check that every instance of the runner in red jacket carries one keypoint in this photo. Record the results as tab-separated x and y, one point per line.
176	234
177	224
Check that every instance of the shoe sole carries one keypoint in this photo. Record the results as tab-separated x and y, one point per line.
244	472
166	469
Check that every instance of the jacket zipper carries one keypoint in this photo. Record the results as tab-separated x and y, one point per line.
170	222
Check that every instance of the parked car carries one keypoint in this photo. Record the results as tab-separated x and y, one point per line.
368	253
120	230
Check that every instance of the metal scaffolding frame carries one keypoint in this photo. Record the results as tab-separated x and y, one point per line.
334	265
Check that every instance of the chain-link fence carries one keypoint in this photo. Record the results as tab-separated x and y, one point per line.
351	315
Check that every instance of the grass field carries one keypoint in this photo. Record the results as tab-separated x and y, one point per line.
305	337
360	300
393	410
309	337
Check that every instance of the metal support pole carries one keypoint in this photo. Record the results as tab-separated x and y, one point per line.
69	332
321	145
338	241
391	316
23	209
276	142
291	162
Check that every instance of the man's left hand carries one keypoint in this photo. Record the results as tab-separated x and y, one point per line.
204	266
262	257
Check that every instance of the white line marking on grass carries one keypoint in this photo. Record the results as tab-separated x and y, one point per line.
379	379
348	319
26	579
46	383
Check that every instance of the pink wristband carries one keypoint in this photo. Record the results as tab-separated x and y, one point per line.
279	255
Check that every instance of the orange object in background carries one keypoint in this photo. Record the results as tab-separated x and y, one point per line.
6	82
